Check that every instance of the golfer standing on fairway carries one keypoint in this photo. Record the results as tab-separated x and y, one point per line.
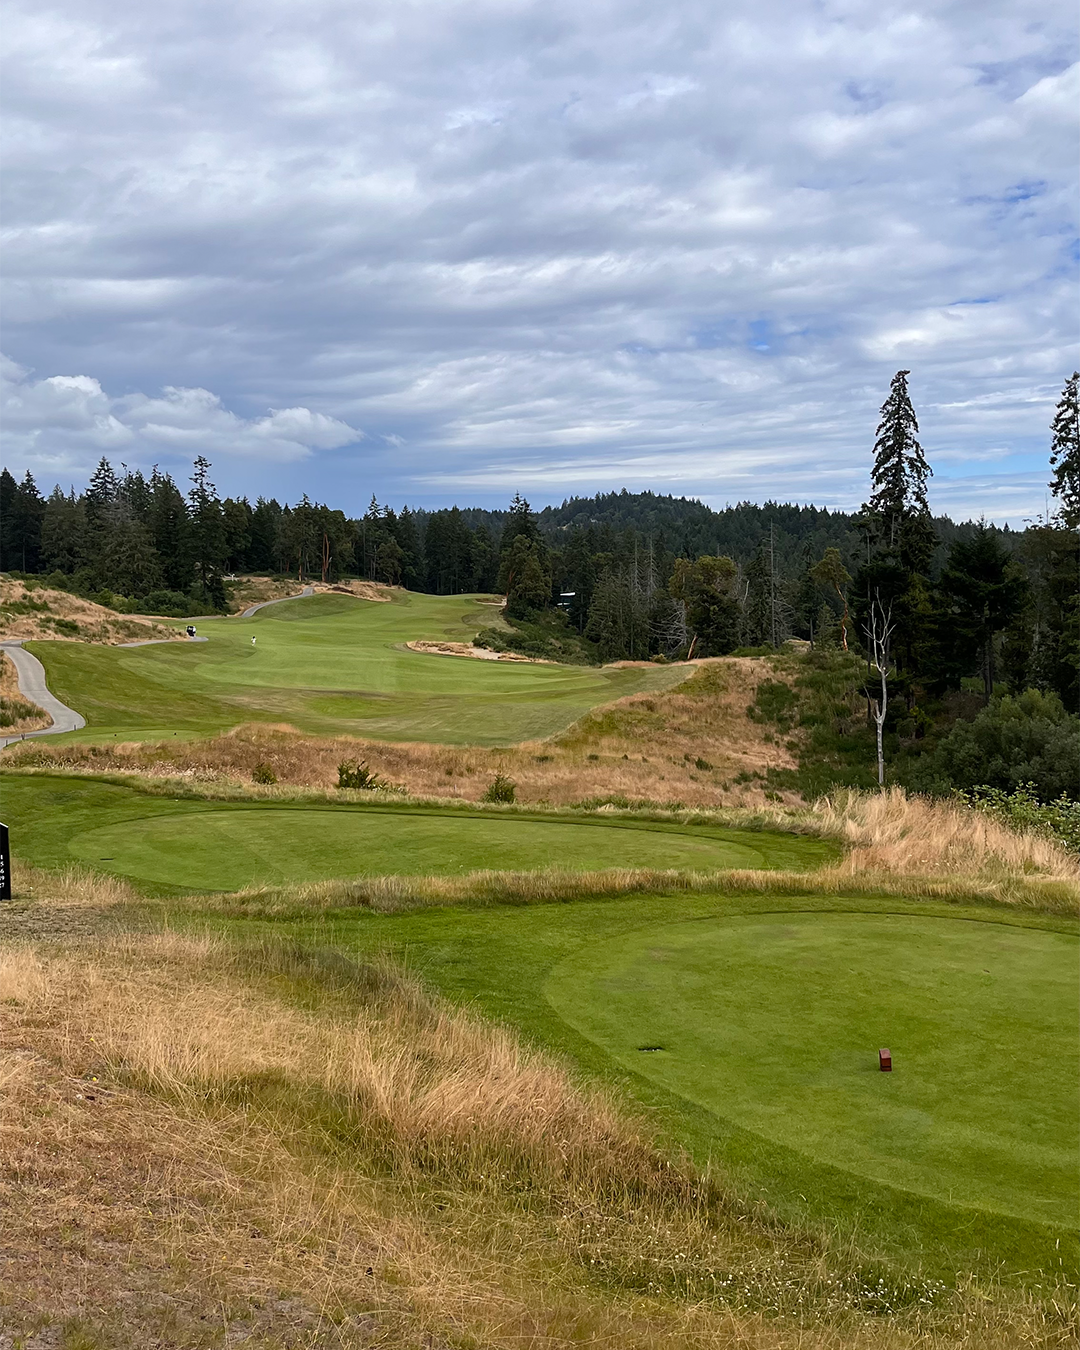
253	641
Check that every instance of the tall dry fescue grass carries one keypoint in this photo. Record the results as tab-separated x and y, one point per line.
71	887
176	1118
29	716
896	834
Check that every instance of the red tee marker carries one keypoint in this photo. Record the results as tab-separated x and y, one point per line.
884	1059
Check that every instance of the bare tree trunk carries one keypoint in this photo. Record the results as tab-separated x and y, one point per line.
879	631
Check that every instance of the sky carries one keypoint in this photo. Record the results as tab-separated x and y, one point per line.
445	250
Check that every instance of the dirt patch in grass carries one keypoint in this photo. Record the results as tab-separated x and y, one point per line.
40	613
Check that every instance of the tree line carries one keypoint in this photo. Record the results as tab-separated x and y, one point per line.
628	576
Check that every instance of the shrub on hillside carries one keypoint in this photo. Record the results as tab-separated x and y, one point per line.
1059	819
263	773
1027	741
502	789
14	710
355	774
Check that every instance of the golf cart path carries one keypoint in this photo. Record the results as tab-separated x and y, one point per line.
32	686
253	609
155	642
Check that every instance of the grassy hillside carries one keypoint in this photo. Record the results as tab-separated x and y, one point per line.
694	743
329	665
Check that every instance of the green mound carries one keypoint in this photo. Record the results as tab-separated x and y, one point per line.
774	1022
227	850
196	845
332	665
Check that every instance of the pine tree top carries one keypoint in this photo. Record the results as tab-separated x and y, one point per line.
900	469
1065	451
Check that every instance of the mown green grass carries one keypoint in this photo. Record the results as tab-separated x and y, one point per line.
775	1021
950	1164
187	844
332	665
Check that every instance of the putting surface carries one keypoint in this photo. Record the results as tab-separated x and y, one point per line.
332	665
227	849
774	1022
190	844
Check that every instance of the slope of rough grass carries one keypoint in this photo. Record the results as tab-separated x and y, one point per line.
40	613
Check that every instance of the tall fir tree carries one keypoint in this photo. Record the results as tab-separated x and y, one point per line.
982	592
171	533
899	537
898	510
1065	452
63	533
207	533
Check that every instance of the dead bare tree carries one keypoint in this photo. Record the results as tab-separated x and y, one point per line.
879	628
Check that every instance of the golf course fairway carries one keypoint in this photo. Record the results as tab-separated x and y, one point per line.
774	1022
198	845
333	665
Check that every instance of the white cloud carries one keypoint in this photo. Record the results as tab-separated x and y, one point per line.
62	424
514	237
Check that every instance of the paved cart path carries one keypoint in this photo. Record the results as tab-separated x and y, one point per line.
252	609
32	686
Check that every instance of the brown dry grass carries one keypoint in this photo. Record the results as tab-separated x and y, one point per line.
31	716
191	1157
644	747
95	622
893	834
253	590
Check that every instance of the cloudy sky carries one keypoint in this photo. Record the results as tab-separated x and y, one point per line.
441	250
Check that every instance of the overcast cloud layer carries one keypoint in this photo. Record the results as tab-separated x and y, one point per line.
449	249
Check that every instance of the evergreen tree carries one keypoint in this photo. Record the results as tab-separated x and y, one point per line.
21	511
831	575
170	532
207	534
129	560
236	518
706	588
529	578
607	622
9	490
265	516
302	538
982	593
898	503
101	495
485	561
520	522
757	617
134	491
412	551
899	537
1065	452
63	533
